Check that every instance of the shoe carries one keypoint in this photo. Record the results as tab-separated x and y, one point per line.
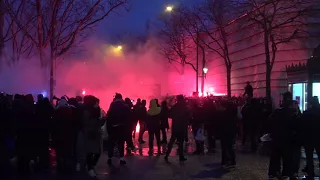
271	177
182	159
285	178
231	164
110	162
123	162
92	173
78	167
166	159
196	153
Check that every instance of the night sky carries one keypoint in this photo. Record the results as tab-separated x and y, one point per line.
134	21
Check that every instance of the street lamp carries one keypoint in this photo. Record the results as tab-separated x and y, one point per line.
169	8
205	70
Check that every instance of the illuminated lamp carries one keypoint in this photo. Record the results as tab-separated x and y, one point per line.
169	8
205	70
83	92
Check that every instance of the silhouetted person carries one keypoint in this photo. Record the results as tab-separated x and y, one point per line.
153	125
180	115
164	121
227	114
117	119
142	113
248	90
283	133
129	126
311	124
43	112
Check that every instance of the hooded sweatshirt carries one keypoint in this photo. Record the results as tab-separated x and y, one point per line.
154	108
154	118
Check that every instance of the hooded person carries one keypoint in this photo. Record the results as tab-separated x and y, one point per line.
62	135
117	118
154	125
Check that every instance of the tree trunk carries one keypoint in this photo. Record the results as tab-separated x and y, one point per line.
268	66
1	27
197	67
203	74
229	81
268	82
52	79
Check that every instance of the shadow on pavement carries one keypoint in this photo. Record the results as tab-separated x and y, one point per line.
217	171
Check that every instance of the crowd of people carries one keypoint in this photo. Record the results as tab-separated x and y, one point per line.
74	128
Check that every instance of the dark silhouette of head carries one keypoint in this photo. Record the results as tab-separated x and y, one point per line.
180	99
40	97
118	96
144	103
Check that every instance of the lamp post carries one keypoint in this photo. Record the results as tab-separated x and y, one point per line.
204	74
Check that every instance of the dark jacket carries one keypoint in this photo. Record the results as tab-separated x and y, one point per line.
164	115
118	114
283	126
180	115
310	123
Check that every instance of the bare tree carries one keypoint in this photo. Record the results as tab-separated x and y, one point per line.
210	20
9	33
175	45
59	25
280	21
192	29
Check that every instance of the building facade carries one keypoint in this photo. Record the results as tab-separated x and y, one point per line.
247	54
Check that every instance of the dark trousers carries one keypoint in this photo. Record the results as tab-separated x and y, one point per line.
180	138
129	140
199	144
117	137
247	131
164	134
92	160
152	133
228	154
5	170
296	157
309	149
211	140
280	152
43	154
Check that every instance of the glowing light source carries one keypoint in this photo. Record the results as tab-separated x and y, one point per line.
138	128
119	47
44	94
205	70
211	89
169	8
83	92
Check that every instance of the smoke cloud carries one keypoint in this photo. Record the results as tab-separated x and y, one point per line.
103	71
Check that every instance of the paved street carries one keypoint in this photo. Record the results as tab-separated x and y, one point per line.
140	166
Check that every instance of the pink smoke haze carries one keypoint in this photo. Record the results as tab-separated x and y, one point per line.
143	73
